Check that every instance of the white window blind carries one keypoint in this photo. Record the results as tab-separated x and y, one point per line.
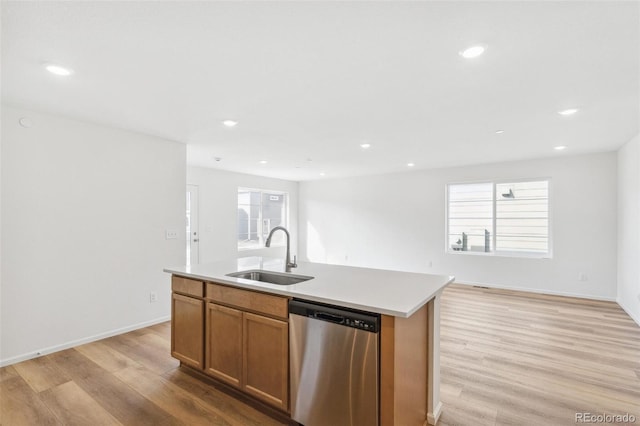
470	216
522	217
505	217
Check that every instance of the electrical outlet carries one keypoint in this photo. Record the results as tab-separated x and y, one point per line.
153	297
582	277
638	297
171	234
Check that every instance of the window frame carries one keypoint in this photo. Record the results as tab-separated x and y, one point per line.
495	252
262	191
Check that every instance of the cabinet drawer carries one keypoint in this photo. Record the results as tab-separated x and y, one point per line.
276	306
187	286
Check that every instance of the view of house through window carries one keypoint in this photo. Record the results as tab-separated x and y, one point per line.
505	217
259	211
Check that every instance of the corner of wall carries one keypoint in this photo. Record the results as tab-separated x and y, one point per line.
628	233
629	311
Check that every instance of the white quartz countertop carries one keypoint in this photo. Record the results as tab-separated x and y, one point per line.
381	291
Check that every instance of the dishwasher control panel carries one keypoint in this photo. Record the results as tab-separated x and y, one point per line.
363	324
347	317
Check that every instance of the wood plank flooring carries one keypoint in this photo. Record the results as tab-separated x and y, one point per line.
514	358
508	358
128	379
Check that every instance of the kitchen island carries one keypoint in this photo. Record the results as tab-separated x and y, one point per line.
236	330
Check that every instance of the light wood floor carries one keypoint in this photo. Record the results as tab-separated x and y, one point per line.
513	358
128	379
508	358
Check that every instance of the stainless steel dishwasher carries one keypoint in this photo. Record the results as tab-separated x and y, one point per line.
334	373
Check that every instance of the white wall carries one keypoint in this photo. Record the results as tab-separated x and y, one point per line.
218	204
84	213
629	228
397	221
1	257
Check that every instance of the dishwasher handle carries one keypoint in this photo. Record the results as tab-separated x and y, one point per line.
347	317
326	316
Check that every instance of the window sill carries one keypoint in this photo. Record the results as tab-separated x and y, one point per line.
257	247
547	256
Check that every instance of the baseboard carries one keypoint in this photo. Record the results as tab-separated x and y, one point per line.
432	418
539	291
634	317
78	342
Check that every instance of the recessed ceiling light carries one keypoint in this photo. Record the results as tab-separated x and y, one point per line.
569	111
472	52
263	161
560	148
410	164
321	173
365	145
499	132
230	123
58	70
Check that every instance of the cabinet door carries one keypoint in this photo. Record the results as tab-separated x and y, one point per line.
224	344
187	324
266	359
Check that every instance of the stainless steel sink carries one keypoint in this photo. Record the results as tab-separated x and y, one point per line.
270	277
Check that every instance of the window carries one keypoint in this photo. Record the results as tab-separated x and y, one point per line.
259	211
500	218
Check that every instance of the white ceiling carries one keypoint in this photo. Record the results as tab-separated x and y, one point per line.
314	80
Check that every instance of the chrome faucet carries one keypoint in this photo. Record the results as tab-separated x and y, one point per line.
288	259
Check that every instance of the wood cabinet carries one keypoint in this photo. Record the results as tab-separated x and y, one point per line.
224	344
250	301
187	329
247	342
241	338
266	359
410	367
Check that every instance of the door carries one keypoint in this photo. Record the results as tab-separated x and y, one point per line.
193	235
266	359
224	343
334	373
186	330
